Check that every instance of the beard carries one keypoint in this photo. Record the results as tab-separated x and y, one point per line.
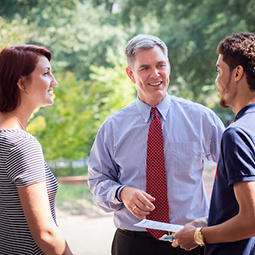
225	91
223	104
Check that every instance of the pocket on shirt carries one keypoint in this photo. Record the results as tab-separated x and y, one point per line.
184	157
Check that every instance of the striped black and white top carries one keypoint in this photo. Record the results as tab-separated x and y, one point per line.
21	164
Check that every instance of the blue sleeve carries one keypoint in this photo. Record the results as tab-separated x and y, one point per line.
216	130
239	155
103	172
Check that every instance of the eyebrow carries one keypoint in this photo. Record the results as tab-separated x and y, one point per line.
158	63
143	66
162	62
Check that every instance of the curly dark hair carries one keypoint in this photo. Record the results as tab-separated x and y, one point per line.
239	49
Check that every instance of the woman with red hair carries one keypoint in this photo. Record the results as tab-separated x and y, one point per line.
27	186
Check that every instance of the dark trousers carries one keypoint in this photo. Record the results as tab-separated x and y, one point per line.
127	242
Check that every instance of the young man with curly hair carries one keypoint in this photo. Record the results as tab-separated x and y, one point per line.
231	221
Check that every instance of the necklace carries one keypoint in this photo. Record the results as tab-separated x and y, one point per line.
21	125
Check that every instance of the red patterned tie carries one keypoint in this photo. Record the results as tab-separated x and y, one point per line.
156	174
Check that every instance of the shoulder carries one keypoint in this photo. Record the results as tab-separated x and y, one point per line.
192	108
236	136
230	133
10	135
234	131
19	141
189	105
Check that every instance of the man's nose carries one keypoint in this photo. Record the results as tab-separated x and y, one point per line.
155	73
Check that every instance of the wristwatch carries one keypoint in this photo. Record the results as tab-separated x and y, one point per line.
199	237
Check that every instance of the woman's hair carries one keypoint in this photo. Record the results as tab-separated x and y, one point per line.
17	61
239	49
143	42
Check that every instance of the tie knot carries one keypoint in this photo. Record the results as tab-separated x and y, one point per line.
154	112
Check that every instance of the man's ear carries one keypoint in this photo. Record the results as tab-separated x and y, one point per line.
130	74
21	84
169	66
238	72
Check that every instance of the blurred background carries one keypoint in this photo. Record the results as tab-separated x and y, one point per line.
87	39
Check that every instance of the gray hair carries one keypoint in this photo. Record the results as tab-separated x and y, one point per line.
142	42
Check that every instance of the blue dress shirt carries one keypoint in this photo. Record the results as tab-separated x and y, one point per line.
118	157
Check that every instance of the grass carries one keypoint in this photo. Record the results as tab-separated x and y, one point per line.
76	200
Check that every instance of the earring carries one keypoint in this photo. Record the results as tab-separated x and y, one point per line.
25	89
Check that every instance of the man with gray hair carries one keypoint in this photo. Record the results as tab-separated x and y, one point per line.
147	159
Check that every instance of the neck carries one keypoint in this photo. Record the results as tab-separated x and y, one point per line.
236	108
19	122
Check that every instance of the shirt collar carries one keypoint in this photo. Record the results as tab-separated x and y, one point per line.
246	109
145	109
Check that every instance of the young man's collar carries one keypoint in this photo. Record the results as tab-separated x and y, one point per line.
246	109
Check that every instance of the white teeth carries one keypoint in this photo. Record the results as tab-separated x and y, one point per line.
155	84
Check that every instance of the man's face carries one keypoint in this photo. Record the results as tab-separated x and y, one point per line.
150	72
226	91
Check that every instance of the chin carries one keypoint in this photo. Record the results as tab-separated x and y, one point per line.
223	104
49	102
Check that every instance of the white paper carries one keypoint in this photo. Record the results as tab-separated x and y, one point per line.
158	225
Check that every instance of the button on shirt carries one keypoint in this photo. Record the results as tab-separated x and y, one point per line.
191	132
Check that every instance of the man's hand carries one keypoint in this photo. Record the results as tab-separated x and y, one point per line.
185	238
200	222
137	201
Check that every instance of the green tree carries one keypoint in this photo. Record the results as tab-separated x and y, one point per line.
78	37
68	128
111	90
10	32
108	5
87	51
34	9
192	31
61	128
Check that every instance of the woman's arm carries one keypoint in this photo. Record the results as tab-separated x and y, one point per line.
36	207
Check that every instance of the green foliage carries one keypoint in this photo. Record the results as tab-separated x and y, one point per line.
70	125
66	121
110	90
106	4
192	31
87	40
79	38
10	32
34	9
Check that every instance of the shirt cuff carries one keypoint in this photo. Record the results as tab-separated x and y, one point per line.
119	189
